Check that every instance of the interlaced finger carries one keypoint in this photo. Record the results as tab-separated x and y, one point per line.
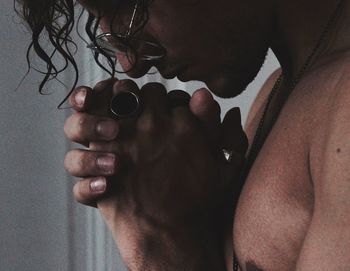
82	163
88	191
84	128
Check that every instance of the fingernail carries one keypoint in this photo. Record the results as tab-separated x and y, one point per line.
80	97
108	129
98	185
106	163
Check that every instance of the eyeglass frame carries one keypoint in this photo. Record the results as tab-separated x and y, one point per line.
126	37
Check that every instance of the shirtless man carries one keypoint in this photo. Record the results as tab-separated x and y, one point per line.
292	213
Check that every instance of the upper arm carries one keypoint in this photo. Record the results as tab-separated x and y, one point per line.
327	243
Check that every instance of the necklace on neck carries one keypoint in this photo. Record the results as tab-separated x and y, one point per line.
260	137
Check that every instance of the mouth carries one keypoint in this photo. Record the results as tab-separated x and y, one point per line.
172	71
166	70
166	74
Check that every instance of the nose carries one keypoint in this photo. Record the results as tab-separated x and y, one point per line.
135	68
126	61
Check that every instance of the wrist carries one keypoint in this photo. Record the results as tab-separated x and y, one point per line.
146	245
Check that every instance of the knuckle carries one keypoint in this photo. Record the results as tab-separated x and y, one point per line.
86	163
126	84
177	93
67	163
84	127
102	85
75	127
80	129
177	98
147	123
185	127
153	86
70	161
79	163
67	127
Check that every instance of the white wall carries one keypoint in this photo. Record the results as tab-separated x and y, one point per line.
41	227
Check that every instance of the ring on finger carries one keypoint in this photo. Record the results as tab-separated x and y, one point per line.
231	155
126	104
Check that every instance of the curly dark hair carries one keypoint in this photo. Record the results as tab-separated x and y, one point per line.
55	20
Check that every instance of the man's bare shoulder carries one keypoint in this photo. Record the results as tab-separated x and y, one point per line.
330	140
329	90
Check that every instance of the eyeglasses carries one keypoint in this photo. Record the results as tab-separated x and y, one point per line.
111	44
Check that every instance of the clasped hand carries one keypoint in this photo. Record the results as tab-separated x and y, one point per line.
164	166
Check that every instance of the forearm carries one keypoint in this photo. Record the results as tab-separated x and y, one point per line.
149	247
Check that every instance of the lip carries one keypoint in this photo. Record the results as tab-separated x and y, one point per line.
167	72
138	72
171	72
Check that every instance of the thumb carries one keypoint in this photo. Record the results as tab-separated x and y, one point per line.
233	143
206	110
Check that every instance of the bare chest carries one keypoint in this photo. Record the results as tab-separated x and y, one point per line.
276	204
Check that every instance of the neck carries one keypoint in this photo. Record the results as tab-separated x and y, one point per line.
299	27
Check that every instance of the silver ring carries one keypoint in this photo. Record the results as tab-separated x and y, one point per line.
125	104
230	155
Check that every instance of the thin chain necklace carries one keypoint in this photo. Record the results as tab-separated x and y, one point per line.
259	138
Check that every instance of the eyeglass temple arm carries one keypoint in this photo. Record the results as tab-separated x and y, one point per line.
132	18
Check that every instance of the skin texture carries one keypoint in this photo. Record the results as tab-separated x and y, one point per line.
276	216
251	266
196	194
292	213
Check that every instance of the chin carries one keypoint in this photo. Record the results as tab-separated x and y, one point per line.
229	86
230	82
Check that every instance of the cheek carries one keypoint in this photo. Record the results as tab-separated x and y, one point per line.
104	25
180	38
167	30
124	61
